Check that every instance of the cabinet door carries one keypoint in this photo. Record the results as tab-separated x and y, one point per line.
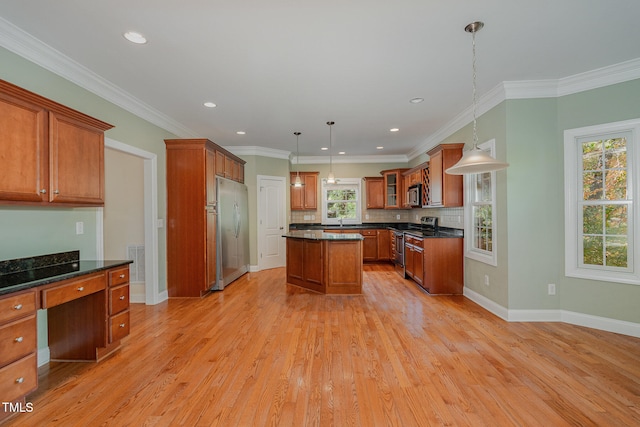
220	162
418	265
210	176
228	167
435	175
24	173
310	191
391	190
408	260
76	162
375	192
210	255
384	245
296	194
370	246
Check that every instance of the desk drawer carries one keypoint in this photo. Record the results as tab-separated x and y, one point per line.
16	306
118	299
74	290
119	326
119	276
17	339
19	378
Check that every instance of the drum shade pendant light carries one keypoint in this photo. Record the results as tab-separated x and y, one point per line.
298	182
331	179
475	160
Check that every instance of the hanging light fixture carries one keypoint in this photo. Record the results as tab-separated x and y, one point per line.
331	179
475	160
298	182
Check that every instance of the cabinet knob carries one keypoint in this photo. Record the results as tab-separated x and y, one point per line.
17	307
122	325
80	288
19	380
121	297
56	191
19	339
122	276
43	191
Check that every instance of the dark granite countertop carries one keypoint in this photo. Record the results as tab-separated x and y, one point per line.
321	235
25	273
410	228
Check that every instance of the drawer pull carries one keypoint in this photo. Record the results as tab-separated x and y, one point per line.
19	339
19	380
17	307
122	325
122	276
121	297
80	288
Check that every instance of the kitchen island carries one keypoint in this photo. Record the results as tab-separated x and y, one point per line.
329	263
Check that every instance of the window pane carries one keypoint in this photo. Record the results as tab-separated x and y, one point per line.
616	153
592	219
592	156
617	219
345	210
616	184
592	186
592	246
616	251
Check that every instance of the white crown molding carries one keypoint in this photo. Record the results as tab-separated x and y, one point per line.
601	77
253	150
342	159
21	43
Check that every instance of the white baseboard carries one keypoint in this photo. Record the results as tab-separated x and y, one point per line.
253	268
43	356
572	317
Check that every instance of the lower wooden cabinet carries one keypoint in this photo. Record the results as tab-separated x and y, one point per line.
118	304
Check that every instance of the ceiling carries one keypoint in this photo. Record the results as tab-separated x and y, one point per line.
282	66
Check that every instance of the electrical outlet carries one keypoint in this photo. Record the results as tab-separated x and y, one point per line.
398	216
366	216
417	217
486	280
313	217
79	227
551	288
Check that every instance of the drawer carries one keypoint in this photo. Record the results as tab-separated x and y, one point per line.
369	232
119	276
19	378
74	290
118	299
119	326
17	305
17	339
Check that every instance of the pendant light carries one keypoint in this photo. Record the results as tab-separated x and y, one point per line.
331	179
298	182
475	160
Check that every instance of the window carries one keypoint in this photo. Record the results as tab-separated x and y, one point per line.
341	202
601	210
480	213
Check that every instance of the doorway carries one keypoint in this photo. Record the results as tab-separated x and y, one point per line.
271	222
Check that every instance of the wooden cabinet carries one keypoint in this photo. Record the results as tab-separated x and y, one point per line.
304	198
443	266
393	188
384	245
413	258
229	166
50	153
444	190
192	166
375	192
369	245
118	304
18	346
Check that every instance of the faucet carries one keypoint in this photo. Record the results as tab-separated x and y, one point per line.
340	219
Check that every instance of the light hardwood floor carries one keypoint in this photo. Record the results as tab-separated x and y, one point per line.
265	353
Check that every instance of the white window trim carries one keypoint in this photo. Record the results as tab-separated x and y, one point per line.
486	257
572	222
341	181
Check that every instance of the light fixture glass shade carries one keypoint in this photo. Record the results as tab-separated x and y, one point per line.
297	182
331	179
476	161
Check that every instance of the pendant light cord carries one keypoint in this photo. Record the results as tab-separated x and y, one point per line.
475	135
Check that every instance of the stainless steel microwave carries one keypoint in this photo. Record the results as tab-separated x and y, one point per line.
414	195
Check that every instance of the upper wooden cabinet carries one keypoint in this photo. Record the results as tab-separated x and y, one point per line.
393	188
444	190
49	153
229	166
375	192
306	197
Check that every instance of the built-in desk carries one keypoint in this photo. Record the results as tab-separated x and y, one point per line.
329	263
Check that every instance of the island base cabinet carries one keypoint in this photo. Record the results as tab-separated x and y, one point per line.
304	264
443	266
344	267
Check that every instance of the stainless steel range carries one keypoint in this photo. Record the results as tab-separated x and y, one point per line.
398	256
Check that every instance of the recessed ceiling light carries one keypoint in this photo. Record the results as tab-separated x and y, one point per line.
394	130
379	148
416	100
324	148
210	104
241	132
134	37
341	152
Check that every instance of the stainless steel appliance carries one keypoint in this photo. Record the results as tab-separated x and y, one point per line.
414	195
398	256
232	244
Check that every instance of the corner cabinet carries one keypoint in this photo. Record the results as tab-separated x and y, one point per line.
444	190
393	188
304	198
192	166
51	155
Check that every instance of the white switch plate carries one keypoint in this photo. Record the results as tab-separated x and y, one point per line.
160	223
79	227
551	288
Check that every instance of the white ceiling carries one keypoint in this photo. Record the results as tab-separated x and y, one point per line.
275	67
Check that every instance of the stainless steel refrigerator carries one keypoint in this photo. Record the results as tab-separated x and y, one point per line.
232	233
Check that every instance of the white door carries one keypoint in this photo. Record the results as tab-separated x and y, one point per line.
271	221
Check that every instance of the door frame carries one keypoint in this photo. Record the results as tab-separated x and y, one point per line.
260	237
152	295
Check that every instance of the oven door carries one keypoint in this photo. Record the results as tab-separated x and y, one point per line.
399	254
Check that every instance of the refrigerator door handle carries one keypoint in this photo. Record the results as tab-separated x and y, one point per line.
236	211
